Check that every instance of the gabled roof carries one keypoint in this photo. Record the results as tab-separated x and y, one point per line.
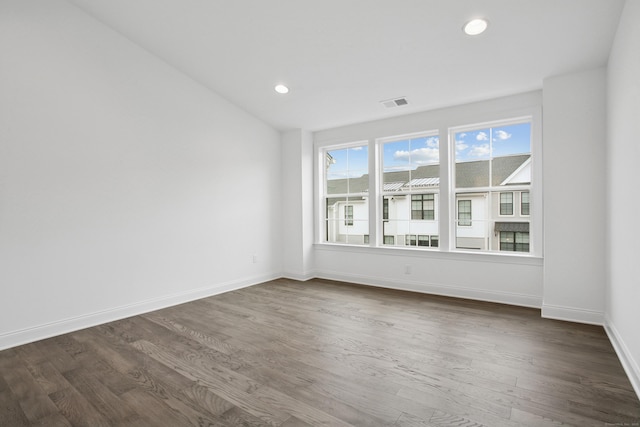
468	174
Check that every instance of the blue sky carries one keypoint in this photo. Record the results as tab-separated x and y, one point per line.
481	144
408	154
348	162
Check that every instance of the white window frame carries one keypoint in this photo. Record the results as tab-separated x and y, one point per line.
535	197
321	223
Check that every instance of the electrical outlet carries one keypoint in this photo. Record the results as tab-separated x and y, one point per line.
255	259
407	269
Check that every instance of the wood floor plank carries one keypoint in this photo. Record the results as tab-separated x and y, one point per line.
231	387
35	403
77	409
286	353
112	407
11	413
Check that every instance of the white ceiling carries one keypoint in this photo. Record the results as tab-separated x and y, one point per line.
341	57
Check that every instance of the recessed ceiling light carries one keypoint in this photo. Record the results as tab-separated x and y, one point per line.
281	89
475	26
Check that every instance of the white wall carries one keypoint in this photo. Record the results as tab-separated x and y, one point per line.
574	117
623	182
500	278
124	185
297	204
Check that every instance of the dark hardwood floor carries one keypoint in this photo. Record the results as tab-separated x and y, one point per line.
286	353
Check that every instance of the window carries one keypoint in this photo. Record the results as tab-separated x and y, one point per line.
387	191
346	191
422	206
385	208
409	186
506	203
514	241
348	215
524	203
410	239
489	158
464	213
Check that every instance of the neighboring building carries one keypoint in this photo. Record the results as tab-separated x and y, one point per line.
492	206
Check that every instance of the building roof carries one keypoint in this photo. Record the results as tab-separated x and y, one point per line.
468	175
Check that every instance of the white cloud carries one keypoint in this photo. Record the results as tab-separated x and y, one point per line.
433	142
501	135
357	148
480	150
461	135
461	146
418	156
482	136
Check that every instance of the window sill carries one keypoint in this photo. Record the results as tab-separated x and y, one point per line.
458	255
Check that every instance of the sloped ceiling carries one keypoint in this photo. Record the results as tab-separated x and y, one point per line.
340	58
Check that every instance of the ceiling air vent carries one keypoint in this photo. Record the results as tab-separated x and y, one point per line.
392	103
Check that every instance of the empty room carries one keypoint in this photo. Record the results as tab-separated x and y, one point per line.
298	212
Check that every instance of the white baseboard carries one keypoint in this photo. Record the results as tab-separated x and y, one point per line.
629	364
301	277
25	336
572	314
532	301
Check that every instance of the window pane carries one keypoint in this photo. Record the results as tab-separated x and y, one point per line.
472	154
488	159
506	203
347	184
348	215
410	240
347	170
471	229
522	242
524	203
507	241
464	213
411	178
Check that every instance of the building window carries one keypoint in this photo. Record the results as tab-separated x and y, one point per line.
464	213
506	203
514	241
385	208
410	240
423	240
524	203
389	240
423	206
348	215
434	241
